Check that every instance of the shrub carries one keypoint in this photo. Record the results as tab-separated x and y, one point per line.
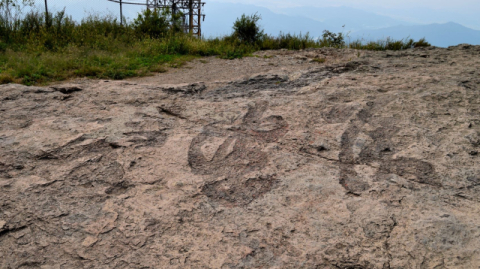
421	43
3	47
154	24
333	40
247	30
287	41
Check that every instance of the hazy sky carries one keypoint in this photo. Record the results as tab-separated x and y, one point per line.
467	6
415	11
435	4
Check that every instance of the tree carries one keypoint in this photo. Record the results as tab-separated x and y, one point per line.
11	9
246	28
155	24
334	40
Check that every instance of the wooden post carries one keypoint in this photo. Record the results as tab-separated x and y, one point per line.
190	16
199	19
174	8
121	13
47	20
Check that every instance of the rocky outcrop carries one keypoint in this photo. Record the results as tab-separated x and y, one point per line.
369	160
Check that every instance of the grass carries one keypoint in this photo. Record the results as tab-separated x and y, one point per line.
319	60
41	67
388	44
35	51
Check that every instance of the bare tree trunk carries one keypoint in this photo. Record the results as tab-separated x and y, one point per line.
7	12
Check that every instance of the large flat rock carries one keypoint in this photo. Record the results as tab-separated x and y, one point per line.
369	160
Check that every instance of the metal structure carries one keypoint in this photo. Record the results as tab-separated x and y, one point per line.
189	10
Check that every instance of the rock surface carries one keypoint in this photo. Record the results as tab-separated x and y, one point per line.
369	160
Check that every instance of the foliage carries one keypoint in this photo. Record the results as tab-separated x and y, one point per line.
155	24
333	40
11	9
421	43
35	51
16	3
287	41
389	44
319	60
246	28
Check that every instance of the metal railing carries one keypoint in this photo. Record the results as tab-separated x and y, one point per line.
78	9
190	11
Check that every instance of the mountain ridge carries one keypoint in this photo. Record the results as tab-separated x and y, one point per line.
220	18
438	34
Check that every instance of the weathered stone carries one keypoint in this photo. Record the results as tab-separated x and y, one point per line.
368	160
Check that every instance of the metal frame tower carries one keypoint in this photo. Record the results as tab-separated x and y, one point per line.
190	10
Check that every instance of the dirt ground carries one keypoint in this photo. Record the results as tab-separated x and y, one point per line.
321	158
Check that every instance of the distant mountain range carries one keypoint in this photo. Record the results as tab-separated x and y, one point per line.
353	19
358	24
417	15
440	35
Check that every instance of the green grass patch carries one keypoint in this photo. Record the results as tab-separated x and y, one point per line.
319	60
23	67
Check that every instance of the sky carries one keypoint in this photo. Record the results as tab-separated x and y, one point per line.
464	12
465	5
469	6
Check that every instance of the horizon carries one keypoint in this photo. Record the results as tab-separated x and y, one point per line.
447	10
360	17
